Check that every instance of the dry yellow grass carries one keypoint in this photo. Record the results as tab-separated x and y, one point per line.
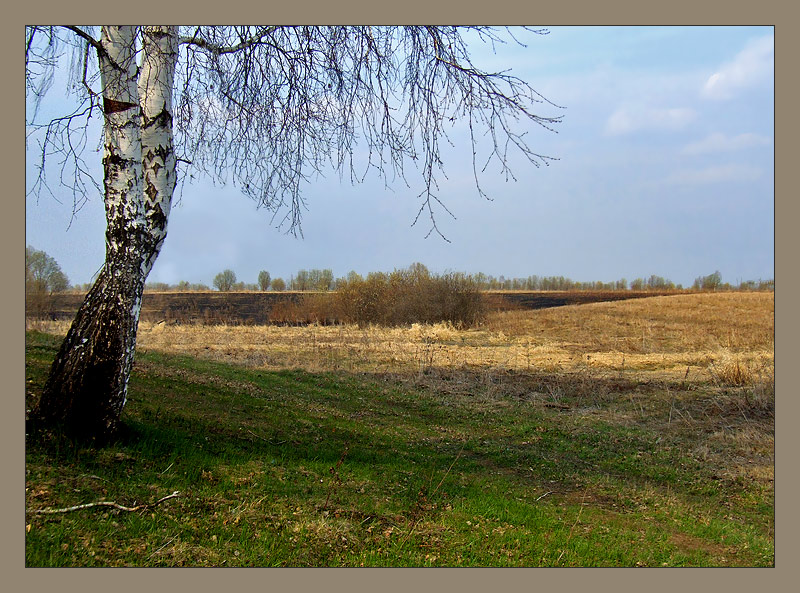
727	338
697	366
714	333
735	321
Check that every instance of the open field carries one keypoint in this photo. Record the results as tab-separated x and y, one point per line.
637	432
691	338
256	308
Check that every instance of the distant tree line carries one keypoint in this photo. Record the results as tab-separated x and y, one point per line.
714	282
561	283
317	280
401	297
323	280
182	286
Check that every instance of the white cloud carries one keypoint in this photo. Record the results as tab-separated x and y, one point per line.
753	65
718	174
626	120
718	142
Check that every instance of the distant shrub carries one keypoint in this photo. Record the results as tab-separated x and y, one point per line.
365	301
403	297
408	296
157	287
43	279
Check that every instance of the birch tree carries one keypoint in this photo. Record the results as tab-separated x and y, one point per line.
264	108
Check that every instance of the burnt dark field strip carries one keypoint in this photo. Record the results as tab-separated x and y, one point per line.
254	308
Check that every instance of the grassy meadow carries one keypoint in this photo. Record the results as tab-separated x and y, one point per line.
632	433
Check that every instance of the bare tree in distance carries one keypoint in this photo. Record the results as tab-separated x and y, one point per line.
263	107
225	280
43	278
263	280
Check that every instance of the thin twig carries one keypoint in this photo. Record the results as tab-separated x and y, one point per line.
543	495
571	529
448	470
104	503
162	547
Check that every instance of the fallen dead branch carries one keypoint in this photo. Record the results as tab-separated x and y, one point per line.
104	503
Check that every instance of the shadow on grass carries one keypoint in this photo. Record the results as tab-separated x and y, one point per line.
336	455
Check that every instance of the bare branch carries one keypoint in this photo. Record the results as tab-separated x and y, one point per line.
85	36
220	50
280	105
104	503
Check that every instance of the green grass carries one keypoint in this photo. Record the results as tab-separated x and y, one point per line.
292	468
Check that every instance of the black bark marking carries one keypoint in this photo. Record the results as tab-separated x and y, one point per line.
157	218
113	159
113	106
163	119
151	191
163	152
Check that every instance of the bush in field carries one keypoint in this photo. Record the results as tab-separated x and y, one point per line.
412	295
365	301
457	299
309	308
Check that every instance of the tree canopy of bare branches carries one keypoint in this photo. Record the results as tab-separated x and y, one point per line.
267	108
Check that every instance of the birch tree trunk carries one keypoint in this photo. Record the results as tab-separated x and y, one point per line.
87	387
156	79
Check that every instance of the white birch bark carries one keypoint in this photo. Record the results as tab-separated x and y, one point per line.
122	149
125	216
87	387
156	79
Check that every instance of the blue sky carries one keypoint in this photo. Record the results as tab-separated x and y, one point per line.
665	167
